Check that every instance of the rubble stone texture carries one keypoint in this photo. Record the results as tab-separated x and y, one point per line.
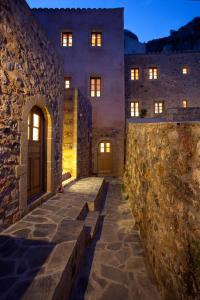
30	69
162	180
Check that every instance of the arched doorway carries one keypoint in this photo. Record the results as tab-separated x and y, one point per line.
105	164
36	154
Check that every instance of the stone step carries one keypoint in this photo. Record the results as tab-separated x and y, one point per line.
41	255
92	221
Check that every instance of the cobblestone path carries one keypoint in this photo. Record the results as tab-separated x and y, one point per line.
115	269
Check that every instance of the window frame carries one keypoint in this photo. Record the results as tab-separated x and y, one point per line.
159	112
134	77
96	32
135	109
153	75
70	82
68	45
95	87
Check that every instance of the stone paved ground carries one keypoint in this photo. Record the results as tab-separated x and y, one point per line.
116	268
41	254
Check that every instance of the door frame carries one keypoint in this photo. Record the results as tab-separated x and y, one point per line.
21	170
105	140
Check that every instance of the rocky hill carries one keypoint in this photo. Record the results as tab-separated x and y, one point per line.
186	38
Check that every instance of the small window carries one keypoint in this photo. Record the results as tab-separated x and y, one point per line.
135	73
67	39
108	147
95	87
185	103
36	127
134	109
67	83
153	73
102	147
185	70
158	107
96	39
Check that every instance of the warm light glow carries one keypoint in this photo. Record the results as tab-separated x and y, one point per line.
108	147
67	83
36	119
135	74
158	107
153	73
102	147
185	103
67	39
135	109
185	70
35	134
96	39
95	87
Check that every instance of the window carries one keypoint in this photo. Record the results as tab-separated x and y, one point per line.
153	73
95	87
34	127
67	83
185	70
135	109
158	107
135	74
67	39
185	103
105	147
96	39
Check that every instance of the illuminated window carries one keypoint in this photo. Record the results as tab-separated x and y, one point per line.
158	107
135	109
36	127
102	147
95	87
153	73
96	39
105	147
185	70
67	83
67	39
108	147
135	74
185	103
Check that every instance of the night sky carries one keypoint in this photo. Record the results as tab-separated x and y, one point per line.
148	19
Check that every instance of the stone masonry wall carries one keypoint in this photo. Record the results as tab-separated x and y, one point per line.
171	87
162	181
84	145
29	68
77	129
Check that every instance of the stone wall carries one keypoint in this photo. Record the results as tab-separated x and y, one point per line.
30	74
171	87
162	181
77	130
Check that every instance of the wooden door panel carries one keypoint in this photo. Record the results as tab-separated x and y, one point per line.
36	151
104	158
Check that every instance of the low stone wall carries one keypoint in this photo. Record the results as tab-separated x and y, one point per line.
30	74
162	181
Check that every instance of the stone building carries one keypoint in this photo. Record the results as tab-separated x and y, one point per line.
86	39
156	83
31	108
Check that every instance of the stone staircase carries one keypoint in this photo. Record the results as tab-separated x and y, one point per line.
41	255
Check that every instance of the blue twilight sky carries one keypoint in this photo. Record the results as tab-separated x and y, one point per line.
149	19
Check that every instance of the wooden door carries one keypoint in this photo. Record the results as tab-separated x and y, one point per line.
105	157
36	154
